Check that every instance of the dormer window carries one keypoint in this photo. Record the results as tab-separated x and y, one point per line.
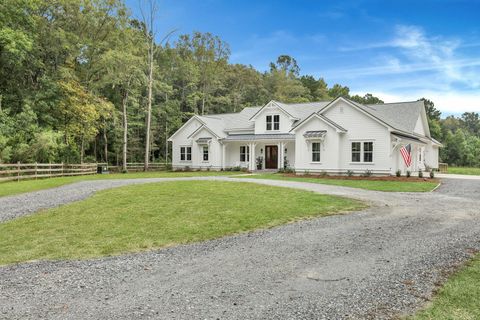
273	122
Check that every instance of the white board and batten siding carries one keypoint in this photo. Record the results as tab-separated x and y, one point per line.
361	128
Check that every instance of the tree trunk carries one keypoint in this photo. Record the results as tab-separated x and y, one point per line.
125	130
105	141
149	103
82	149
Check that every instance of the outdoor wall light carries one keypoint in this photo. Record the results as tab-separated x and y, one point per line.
261	151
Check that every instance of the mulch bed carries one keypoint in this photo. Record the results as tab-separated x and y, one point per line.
373	178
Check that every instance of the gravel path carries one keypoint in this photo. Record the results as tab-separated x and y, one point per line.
377	263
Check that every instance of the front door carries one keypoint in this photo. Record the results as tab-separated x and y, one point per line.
271	157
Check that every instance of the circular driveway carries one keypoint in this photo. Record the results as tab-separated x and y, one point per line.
378	263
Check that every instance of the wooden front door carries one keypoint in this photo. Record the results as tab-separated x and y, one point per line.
271	157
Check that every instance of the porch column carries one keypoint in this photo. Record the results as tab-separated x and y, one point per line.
280	156
252	157
223	156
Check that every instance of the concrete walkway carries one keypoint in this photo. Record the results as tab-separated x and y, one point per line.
378	263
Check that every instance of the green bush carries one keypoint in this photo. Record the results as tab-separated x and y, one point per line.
409	173
349	173
398	173
432	174
367	173
323	174
420	173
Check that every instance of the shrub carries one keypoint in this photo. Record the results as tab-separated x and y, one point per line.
398	173
187	169
349	173
281	170
307	172
208	168
409	173
244	169
288	170
168	167
323	174
420	173
367	173
432	174
237	168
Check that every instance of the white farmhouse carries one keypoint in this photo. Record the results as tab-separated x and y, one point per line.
328	136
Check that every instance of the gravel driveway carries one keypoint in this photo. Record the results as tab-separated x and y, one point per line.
376	263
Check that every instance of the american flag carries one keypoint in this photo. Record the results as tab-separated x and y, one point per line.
406	154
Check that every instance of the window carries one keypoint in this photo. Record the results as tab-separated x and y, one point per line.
368	152
315	151
205	153
362	148
244	153
276	122
356	151
186	153
273	122
269	123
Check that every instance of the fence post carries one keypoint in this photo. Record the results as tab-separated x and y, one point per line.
18	171
63	170
36	169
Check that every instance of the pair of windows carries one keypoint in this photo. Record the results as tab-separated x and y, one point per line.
186	153
273	122
364	149
244	153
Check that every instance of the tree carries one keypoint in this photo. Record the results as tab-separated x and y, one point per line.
366	99
471	122
338	91
286	63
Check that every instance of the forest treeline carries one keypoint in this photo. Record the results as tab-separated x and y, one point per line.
79	80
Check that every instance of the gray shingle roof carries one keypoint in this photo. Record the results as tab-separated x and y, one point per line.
315	134
401	116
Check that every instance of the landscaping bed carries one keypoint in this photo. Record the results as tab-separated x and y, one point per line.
370	178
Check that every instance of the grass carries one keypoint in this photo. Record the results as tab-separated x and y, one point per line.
149	216
458	298
390	186
464	170
14	187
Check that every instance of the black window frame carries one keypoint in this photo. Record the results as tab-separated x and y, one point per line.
206	154
245	154
269	122
367	154
316	153
356	152
276	122
185	153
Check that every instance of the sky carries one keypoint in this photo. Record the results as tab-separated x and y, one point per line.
396	50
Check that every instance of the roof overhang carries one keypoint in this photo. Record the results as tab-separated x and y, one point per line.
337	127
199	129
259	137
404	137
272	103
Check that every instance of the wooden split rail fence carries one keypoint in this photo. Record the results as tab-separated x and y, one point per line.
24	171
21	171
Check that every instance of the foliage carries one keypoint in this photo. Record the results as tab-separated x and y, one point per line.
398	173
408	174
367	173
432	174
104	224
349	173
420	173
78	69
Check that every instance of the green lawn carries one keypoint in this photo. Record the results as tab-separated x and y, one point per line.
14	187
391	186
464	170
149	216
459	298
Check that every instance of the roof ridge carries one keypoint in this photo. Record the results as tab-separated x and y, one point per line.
379	104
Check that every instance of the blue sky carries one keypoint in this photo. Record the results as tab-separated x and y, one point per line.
397	50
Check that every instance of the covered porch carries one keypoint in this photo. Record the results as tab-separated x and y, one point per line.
258	152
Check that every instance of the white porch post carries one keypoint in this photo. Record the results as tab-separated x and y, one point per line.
252	157
280	155
223	156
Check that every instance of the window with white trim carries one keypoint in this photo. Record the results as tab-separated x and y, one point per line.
315	151
273	122
362	151
186	153
356	151
205	153
368	152
244	153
